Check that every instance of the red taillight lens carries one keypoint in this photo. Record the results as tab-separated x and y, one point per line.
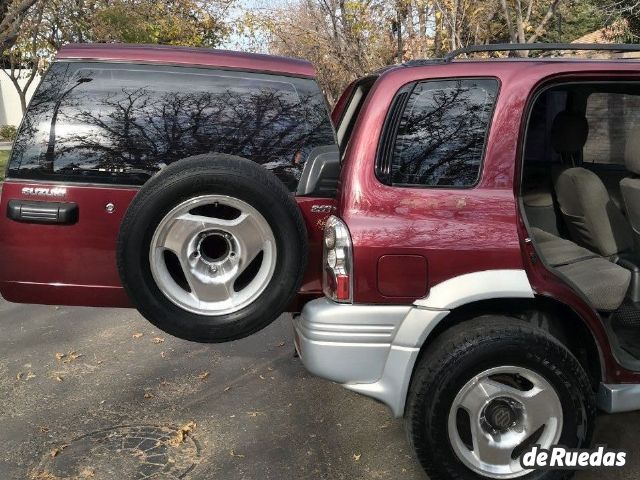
343	284
337	259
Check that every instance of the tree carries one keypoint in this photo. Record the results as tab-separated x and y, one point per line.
346	39
626	12
166	22
12	14
343	39
52	23
26	59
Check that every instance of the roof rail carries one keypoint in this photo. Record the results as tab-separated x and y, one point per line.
512	47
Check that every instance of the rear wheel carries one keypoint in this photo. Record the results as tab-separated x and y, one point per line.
488	390
212	249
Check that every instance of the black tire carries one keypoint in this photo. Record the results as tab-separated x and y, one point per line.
203	175
474	347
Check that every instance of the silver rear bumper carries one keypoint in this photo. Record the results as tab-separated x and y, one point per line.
370	349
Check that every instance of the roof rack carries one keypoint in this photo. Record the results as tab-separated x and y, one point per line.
512	47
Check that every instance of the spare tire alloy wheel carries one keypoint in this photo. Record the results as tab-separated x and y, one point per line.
486	391
212	248
213	252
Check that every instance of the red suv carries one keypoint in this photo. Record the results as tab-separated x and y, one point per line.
480	268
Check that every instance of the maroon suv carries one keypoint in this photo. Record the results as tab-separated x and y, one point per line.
479	260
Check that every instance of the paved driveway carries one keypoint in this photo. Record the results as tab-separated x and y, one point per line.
101	394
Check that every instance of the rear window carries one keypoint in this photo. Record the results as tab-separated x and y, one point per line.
611	116
116	123
441	134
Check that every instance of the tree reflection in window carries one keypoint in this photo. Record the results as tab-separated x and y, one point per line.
124	123
441	135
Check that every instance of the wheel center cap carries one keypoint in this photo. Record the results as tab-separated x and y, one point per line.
501	414
214	247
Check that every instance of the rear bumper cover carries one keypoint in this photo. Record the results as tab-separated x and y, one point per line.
370	349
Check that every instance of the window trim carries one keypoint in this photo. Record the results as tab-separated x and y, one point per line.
392	122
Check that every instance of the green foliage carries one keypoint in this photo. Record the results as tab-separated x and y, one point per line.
8	132
4	158
167	22
176	22
575	19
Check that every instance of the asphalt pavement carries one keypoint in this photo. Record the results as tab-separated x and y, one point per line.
101	394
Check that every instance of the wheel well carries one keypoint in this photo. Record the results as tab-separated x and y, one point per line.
556	318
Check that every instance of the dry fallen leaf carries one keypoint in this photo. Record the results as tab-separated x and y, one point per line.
44	429
182	434
57	451
30	375
203	376
234	454
148	395
19	376
87	473
43	475
137	335
58	378
71	356
60	356
356	456
158	340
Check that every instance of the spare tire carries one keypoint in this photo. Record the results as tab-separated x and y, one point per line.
212	248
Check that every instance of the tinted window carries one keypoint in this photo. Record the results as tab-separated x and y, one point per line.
122	123
441	134
611	117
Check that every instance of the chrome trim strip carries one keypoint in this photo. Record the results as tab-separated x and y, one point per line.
618	398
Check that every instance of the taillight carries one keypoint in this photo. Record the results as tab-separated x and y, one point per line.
337	261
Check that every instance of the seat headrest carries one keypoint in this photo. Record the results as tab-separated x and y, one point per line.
569	132
632	151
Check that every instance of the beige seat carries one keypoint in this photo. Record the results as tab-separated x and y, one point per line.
603	283
594	221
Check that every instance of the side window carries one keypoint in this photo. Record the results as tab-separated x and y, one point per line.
611	117
441	133
111	123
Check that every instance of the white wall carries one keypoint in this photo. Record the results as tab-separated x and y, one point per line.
10	111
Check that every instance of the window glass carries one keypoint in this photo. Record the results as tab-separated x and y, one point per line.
122	123
611	116
441	135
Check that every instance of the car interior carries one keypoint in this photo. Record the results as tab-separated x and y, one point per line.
580	194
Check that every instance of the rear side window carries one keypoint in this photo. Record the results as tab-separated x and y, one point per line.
441	134
112	123
611	116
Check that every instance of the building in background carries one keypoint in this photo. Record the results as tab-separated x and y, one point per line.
10	111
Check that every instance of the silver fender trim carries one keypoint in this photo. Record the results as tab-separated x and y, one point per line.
618	398
476	286
372	349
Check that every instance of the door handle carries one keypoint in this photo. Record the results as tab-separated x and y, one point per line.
57	213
